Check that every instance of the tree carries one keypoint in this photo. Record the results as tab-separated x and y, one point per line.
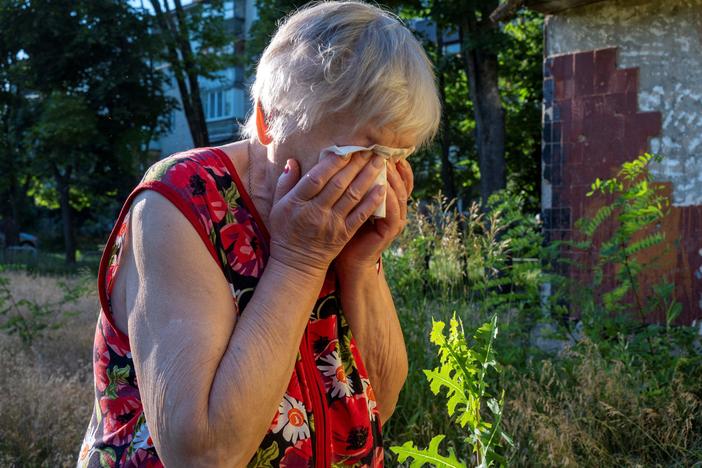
63	135
521	80
14	177
204	26
491	92
479	35
480	42
79	72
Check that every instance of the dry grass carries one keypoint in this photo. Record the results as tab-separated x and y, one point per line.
46	389
579	410
599	413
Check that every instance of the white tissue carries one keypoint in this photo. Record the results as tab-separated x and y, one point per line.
394	154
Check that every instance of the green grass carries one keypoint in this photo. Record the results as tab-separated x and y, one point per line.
49	263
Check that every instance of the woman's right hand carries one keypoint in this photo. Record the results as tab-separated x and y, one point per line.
313	217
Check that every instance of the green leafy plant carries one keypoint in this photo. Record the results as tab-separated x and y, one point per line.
463	375
624	240
614	390
29	319
636	211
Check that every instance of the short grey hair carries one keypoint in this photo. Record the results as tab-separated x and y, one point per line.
346	56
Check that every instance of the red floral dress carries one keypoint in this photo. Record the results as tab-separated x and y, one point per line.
328	414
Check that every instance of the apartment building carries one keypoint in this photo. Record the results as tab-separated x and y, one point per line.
225	99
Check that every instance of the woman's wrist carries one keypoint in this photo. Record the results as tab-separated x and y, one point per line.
355	266
301	273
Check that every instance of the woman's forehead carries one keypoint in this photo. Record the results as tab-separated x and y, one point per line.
366	133
388	136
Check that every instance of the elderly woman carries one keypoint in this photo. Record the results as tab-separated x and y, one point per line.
245	317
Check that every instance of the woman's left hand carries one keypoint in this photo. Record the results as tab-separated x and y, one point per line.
366	246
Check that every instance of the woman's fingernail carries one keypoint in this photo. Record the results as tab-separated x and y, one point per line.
378	161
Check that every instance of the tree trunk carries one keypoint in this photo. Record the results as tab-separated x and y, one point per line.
189	66
69	240
447	179
482	71
189	96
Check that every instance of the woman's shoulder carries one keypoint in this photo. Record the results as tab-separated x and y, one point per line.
190	161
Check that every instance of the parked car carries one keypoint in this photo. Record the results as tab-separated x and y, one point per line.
26	240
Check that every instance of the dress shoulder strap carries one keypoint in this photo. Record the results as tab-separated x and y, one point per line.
190	180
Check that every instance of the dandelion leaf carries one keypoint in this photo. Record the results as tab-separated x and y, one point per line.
429	456
442	377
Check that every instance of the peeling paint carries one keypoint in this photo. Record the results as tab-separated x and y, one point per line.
663	39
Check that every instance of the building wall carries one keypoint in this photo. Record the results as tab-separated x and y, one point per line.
623	77
178	139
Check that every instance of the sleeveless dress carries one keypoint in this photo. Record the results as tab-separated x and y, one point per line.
327	416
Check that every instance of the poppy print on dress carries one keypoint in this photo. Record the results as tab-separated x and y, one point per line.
328	414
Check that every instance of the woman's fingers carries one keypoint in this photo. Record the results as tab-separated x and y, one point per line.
405	170
365	209
399	187
316	179
355	187
340	182
287	179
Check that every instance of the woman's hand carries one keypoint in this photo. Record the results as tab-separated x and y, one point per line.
315	216
366	247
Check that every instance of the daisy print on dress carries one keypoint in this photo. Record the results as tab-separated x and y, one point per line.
86	448
341	385
370	398
292	420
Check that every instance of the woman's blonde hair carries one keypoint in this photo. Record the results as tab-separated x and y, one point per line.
345	56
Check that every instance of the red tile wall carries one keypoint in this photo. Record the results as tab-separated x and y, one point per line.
591	126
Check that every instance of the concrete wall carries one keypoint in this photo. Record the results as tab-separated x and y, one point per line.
622	77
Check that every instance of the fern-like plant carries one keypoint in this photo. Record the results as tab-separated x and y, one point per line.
624	241
462	374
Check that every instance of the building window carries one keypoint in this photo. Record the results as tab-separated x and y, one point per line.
452	49
228	10
218	104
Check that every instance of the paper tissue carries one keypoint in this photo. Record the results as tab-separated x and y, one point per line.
392	154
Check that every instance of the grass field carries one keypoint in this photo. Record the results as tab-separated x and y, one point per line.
575	409
46	389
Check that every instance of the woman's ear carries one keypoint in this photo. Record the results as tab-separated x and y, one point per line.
261	125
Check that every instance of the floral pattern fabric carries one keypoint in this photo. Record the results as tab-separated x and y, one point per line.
328	414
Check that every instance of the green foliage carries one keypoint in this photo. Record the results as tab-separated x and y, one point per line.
41	262
429	455
463	372
624	241
615	389
488	263
212	39
521	89
79	100
30	320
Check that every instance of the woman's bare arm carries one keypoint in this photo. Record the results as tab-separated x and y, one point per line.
370	311
209	388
